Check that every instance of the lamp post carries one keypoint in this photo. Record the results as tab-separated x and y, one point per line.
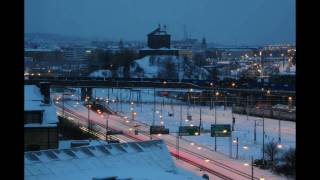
89	128
279	133
252	167
263	134
236	141
63	102
107	127
215	122
255	132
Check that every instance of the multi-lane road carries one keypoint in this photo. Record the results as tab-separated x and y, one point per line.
214	163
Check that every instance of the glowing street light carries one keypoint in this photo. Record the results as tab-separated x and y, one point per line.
217	93
192	144
199	148
224	131
279	146
207	160
245	147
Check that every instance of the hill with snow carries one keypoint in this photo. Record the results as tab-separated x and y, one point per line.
167	67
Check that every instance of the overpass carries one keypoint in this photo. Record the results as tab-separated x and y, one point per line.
86	86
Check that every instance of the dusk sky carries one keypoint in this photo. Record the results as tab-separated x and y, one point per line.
249	22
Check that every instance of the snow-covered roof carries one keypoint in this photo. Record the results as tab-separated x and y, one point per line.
66	144
33	102
148	160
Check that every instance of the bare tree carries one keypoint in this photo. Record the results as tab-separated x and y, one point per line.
271	151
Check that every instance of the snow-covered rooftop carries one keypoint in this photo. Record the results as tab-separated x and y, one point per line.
148	160
33	102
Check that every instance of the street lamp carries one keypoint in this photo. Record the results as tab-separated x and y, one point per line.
245	147
252	164
236	141
89	106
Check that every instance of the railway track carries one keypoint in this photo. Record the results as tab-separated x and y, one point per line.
172	150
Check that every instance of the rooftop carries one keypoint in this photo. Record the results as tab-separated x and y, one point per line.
159	31
33	102
148	160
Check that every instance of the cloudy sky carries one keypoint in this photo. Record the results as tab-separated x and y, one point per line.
247	22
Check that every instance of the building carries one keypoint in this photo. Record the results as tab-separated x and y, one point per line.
50	55
186	53
77	53
159	38
159	44
40	119
149	160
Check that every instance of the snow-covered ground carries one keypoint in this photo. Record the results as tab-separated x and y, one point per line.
244	128
156	66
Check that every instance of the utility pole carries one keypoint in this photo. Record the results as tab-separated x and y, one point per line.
230	145
63	103
263	134
89	128
237	153
107	128
252	168
215	122
120	100
108	95
247	108
178	134
279	138
200	125
154	106
255	132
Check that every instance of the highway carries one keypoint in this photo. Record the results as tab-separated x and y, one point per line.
200	156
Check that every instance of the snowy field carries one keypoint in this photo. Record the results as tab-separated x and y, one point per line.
244	126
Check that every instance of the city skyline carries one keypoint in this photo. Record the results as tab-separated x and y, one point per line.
243	23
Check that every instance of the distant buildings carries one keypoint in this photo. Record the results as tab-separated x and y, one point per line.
77	53
40	119
50	55
159	44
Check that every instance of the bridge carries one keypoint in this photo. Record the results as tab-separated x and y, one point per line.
88	84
